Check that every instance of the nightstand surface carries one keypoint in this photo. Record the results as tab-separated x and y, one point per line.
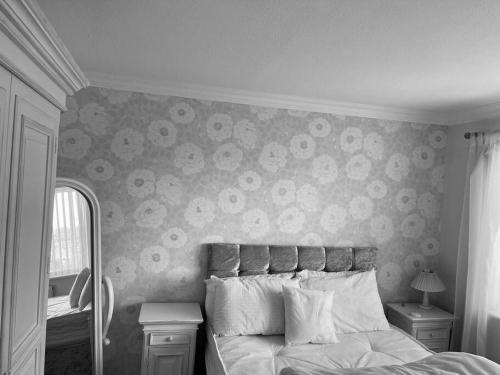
434	314
170	313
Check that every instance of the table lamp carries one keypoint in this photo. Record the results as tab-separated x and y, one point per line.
428	282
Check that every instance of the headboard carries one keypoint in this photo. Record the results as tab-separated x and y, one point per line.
229	259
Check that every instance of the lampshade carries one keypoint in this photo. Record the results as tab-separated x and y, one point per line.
428	281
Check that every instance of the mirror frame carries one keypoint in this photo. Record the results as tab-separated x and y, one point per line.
95	233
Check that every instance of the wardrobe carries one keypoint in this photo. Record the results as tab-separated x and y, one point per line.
36	74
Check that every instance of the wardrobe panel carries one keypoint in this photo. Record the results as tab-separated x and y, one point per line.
5	150
29	221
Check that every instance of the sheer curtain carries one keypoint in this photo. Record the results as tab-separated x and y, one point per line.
70	248
481	323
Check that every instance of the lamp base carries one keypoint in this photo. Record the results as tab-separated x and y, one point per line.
425	302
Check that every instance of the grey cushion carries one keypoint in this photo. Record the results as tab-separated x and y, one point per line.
338	259
254	258
311	258
224	257
365	258
283	258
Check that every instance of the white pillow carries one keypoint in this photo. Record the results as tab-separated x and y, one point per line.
77	287
250	306
86	295
214	281
358	307
308	316
305	274
211	284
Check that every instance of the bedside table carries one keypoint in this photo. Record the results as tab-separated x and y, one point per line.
169	337
432	328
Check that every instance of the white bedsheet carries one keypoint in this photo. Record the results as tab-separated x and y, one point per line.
447	363
59	306
267	355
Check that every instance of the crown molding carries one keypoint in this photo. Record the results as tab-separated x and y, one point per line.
129	83
32	51
449	118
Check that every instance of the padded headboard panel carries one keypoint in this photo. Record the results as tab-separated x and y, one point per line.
229	259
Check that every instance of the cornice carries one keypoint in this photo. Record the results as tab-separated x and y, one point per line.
449	118
130	83
24	23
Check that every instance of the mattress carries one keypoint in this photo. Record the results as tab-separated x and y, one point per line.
267	355
59	306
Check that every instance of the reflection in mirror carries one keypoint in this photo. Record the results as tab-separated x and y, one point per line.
70	251
69	310
80	300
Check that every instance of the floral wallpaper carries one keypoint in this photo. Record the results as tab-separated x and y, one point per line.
173	173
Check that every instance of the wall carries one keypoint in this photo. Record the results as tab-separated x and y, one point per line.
457	157
174	173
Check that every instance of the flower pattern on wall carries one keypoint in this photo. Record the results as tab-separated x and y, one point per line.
100	169
231	200
174	238
273	157
150	214
74	144
324	169
140	183
249	181
291	220
154	259
162	133
127	144
302	146
112	218
189	158
376	189
245	133
173	173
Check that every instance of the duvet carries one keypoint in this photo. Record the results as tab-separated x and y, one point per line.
447	363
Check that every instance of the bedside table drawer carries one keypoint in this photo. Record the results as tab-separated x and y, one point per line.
168	338
432	333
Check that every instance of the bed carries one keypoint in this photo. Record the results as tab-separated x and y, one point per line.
67	325
389	351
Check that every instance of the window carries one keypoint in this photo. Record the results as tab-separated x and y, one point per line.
70	233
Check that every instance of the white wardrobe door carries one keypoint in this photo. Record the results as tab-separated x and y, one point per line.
5	81
29	224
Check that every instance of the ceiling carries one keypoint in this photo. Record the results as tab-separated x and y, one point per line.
434	58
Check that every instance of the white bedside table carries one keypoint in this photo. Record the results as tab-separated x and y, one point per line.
432	328
169	337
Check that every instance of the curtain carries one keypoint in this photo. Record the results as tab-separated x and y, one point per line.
70	233
481	315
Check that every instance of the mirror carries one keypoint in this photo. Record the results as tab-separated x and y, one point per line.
77	292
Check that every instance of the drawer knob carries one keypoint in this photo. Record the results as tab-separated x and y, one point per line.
169	338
